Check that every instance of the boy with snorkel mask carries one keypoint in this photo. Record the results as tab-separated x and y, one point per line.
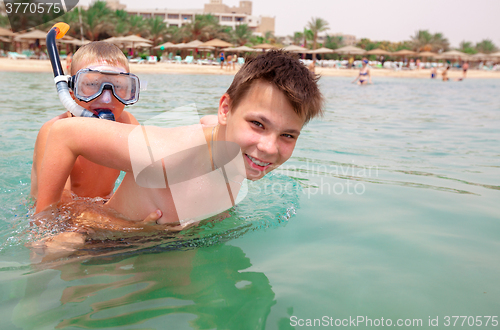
102	84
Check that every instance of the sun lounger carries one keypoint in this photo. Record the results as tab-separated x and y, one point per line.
177	59
241	60
15	56
152	59
188	60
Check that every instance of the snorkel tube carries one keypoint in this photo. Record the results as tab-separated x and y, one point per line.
57	32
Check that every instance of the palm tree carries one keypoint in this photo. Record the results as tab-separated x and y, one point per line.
440	43
467	47
122	26
317	25
97	20
241	34
174	34
200	28
297	38
423	40
486	46
308	35
334	42
269	38
156	28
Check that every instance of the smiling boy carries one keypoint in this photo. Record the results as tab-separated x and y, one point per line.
88	179
271	98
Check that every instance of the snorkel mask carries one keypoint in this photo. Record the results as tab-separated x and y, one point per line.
88	84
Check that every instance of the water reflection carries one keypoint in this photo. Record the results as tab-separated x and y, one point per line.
206	288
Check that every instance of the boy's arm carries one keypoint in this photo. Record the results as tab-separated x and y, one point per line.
38	153
102	142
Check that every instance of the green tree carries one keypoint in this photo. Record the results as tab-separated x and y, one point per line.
334	42
423	40
308	36
174	34
201	28
317	25
156	29
297	38
97	20
242	34
467	47
486	46
122	25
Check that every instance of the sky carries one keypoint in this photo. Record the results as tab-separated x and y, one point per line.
393	20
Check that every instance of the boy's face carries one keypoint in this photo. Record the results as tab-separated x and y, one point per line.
265	127
105	101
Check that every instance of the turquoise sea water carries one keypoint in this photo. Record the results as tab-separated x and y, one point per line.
389	208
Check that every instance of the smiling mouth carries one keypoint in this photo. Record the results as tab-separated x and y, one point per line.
257	163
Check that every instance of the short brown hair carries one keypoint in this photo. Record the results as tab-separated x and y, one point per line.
98	51
288	74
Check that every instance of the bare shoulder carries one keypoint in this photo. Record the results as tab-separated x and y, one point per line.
127	118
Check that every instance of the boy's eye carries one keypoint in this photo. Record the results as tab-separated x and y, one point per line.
288	136
257	123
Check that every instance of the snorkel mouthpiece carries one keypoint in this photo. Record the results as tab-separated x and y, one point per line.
105	114
57	32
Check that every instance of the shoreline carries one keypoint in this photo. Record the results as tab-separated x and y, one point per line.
10	65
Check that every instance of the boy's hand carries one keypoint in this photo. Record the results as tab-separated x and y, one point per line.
153	217
59	246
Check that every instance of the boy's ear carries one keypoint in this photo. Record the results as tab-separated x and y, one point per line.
224	109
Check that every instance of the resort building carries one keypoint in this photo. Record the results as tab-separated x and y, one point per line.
227	16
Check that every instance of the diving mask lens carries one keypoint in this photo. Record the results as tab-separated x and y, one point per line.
89	84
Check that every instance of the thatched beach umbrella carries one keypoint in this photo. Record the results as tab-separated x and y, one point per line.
350	50
378	51
6	33
32	35
404	53
453	55
322	50
495	55
3	39
165	45
264	46
479	57
296	49
427	54
240	49
217	43
131	40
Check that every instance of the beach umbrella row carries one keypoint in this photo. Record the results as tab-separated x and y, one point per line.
6	33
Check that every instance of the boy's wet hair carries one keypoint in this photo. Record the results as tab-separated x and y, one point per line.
288	74
99	51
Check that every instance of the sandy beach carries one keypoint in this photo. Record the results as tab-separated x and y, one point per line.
169	68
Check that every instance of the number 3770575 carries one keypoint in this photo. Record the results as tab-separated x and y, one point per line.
32	8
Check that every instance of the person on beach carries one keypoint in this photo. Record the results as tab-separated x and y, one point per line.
364	76
312	66
229	62
465	67
433	73
269	101
88	179
221	57
445	74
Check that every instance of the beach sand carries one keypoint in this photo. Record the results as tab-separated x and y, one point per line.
169	68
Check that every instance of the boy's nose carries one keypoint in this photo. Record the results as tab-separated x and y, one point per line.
268	144
106	96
